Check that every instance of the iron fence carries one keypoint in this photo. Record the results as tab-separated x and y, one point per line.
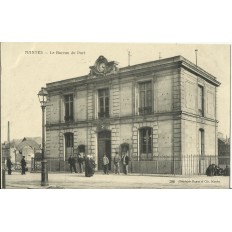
184	165
53	165
179	165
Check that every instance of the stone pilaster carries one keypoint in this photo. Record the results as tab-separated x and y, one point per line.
115	101
115	137
177	137
178	92
90	102
155	139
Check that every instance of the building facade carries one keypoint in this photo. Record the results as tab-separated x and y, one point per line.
164	109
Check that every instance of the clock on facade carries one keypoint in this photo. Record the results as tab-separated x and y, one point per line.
101	67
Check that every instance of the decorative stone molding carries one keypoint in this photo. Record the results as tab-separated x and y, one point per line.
103	67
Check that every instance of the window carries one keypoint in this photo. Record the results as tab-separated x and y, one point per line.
68	102
200	100
81	148
145	97
124	147
103	99
145	143
69	141
201	142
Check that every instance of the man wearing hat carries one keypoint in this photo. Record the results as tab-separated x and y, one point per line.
23	165
9	164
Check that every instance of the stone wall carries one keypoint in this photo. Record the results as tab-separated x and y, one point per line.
189	90
81	103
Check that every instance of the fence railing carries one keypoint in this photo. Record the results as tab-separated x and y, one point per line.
185	165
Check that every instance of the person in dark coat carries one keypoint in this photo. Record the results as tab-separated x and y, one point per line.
89	166
227	171
80	160
92	166
72	164
9	164
219	171
23	165
210	171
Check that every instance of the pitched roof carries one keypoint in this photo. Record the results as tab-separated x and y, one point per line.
28	142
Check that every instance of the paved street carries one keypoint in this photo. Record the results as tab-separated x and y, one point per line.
112	181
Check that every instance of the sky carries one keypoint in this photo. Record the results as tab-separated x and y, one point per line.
24	74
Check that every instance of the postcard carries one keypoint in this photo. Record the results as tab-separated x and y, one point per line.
115	116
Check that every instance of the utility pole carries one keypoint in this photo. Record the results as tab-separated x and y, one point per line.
129	55
196	56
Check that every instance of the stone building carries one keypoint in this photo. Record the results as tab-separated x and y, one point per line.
160	111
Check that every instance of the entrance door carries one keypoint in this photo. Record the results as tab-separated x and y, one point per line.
104	147
68	145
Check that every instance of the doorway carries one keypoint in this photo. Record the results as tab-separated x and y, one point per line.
104	147
69	141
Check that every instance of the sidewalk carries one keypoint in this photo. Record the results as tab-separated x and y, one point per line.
112	181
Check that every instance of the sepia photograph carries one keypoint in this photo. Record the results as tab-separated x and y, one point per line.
115	116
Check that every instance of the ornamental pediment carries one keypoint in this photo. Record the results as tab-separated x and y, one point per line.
103	67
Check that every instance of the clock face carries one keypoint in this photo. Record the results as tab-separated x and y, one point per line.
101	67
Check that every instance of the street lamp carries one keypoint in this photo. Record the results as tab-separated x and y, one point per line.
44	172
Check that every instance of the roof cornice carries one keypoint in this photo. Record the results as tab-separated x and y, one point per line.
138	69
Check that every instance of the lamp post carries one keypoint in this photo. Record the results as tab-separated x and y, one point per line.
44	172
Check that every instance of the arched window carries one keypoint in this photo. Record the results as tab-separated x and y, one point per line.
124	148
145	143
81	148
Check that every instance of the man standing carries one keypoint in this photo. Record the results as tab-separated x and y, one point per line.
80	160
105	164
72	163
9	164
117	160
23	165
125	163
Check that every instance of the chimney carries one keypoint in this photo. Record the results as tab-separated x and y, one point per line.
8	133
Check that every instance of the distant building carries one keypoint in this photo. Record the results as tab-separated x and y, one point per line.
10	149
150	111
27	147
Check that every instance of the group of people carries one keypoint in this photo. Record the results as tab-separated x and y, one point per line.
81	160
214	170
125	163
117	160
90	164
9	165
